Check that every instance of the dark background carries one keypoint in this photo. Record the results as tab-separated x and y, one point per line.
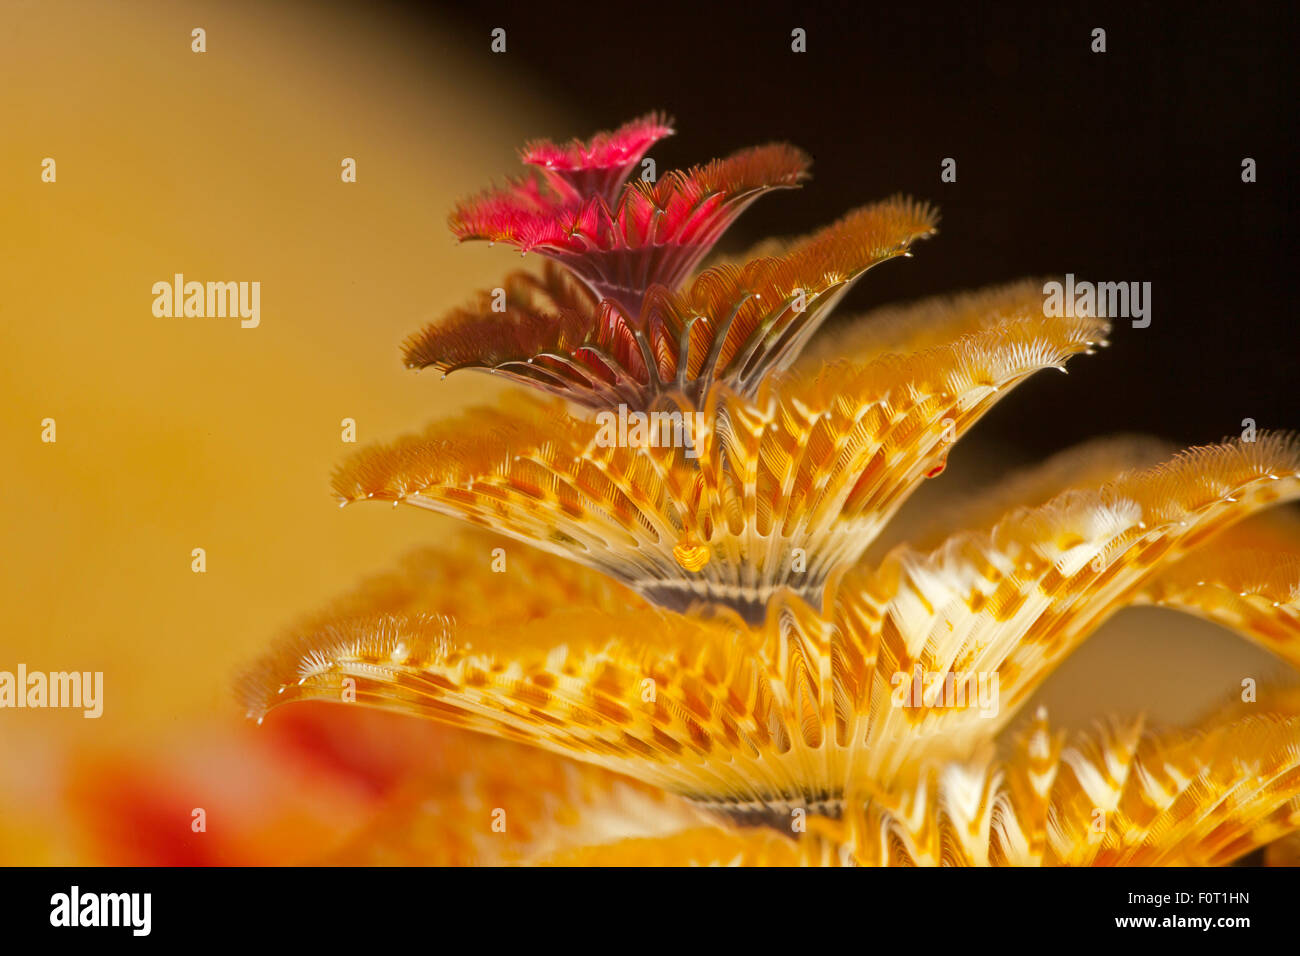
1118	166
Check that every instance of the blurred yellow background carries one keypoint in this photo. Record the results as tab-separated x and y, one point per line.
180	433
183	433
175	434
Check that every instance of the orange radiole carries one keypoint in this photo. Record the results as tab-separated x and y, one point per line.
704	618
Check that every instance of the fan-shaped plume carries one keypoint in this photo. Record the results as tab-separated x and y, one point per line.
1118	797
1008	605
749	496
599	166
531	331
926	656
930	323
1256	593
733	324
654	233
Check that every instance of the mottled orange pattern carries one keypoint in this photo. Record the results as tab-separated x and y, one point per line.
714	624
